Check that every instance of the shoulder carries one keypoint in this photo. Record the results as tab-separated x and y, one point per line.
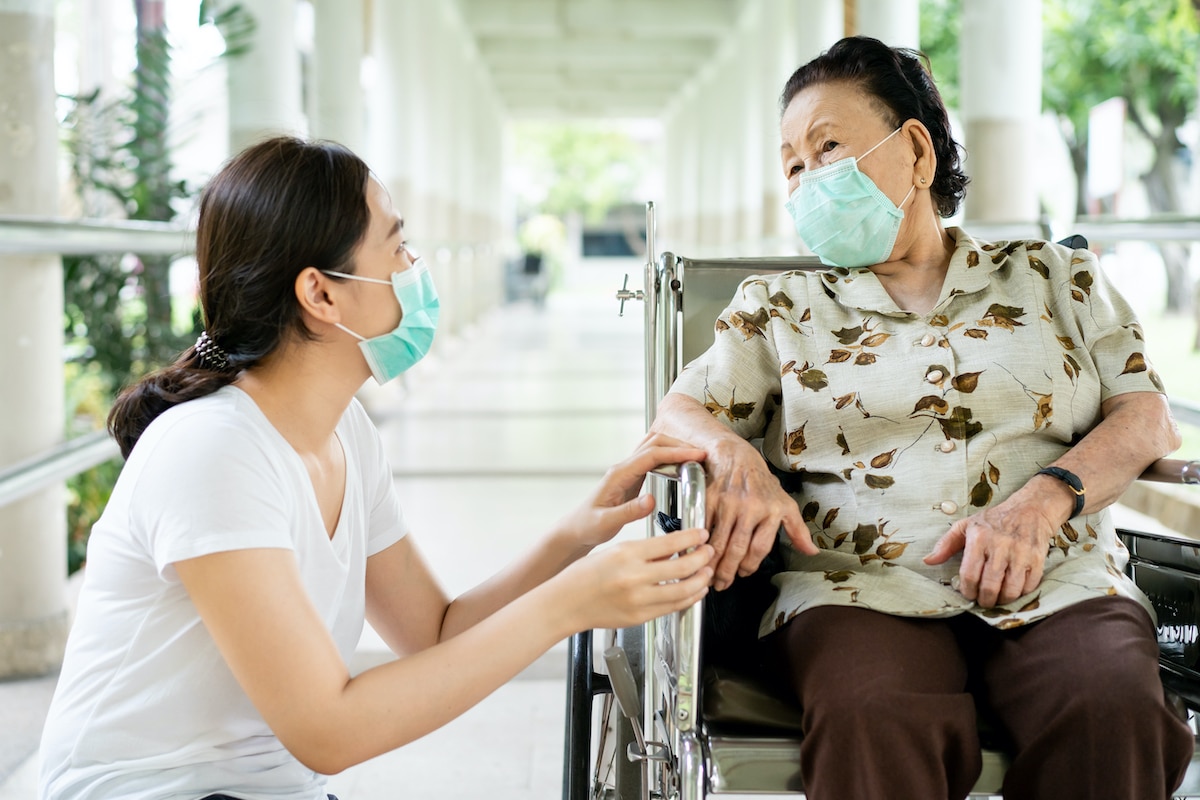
222	438
781	290
1041	257
208	424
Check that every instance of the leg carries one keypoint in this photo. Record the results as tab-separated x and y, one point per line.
886	713
1080	695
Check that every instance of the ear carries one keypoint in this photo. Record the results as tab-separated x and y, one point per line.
316	302
924	160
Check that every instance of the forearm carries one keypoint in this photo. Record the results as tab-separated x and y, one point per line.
1136	430
337	724
550	557
401	701
686	419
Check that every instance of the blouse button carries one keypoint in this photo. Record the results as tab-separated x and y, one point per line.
935	376
927	340
947	446
948	507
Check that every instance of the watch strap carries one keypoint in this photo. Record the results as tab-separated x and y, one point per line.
1070	479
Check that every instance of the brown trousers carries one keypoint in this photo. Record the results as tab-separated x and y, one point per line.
890	704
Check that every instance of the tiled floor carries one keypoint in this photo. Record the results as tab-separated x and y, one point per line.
492	439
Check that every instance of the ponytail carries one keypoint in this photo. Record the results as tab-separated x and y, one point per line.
194	374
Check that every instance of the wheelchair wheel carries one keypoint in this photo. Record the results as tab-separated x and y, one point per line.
615	776
597	768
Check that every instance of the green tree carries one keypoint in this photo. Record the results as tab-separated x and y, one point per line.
1143	51
941	30
576	168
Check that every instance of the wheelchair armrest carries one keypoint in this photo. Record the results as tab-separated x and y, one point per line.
1172	470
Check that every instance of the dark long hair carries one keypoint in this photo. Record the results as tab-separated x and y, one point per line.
274	209
898	80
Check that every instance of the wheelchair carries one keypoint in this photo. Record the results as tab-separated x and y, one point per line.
655	720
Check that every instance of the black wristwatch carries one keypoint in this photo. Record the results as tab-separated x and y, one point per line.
1070	479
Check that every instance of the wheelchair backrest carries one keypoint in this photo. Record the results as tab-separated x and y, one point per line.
698	290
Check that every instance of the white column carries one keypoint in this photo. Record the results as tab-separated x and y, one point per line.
33	557
390	89
817	25
686	233
264	82
1001	90
340	42
756	100
728	136
896	23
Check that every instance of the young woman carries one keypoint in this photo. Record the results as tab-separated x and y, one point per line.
255	523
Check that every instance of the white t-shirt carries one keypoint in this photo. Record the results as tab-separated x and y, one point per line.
146	707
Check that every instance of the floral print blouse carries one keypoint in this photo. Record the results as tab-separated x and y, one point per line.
890	425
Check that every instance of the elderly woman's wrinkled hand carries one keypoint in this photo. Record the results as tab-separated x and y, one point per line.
1003	551
746	507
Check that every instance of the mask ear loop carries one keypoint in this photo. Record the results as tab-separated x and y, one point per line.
879	144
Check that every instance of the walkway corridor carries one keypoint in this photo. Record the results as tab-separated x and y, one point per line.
491	442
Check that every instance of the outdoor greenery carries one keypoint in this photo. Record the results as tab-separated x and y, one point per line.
120	318
1142	51
575	168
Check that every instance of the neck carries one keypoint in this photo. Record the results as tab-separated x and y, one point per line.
303	393
914	279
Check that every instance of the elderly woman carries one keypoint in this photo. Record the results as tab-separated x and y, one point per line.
952	419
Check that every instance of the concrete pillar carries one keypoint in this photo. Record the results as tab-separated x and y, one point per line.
756	99
33	558
340	42
816	25
894	22
1001	91
727	134
687	233
264	81
389	112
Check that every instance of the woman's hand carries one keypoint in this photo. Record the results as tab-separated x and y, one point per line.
746	506
615	502
1004	547
632	582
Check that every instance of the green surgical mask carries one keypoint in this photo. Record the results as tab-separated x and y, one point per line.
843	216
393	353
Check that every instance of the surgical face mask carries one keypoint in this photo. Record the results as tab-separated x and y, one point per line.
393	353
842	215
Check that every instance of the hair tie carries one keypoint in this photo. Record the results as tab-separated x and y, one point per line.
210	353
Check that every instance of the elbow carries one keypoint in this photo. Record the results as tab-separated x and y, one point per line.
325	746
1173	441
321	755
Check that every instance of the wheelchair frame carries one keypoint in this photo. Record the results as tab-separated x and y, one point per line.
677	756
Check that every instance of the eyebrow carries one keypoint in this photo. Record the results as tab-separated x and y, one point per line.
397	225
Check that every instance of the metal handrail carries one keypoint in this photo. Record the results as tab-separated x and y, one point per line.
1097	229
56	465
49	236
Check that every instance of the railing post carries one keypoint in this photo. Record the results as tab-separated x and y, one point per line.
33	617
